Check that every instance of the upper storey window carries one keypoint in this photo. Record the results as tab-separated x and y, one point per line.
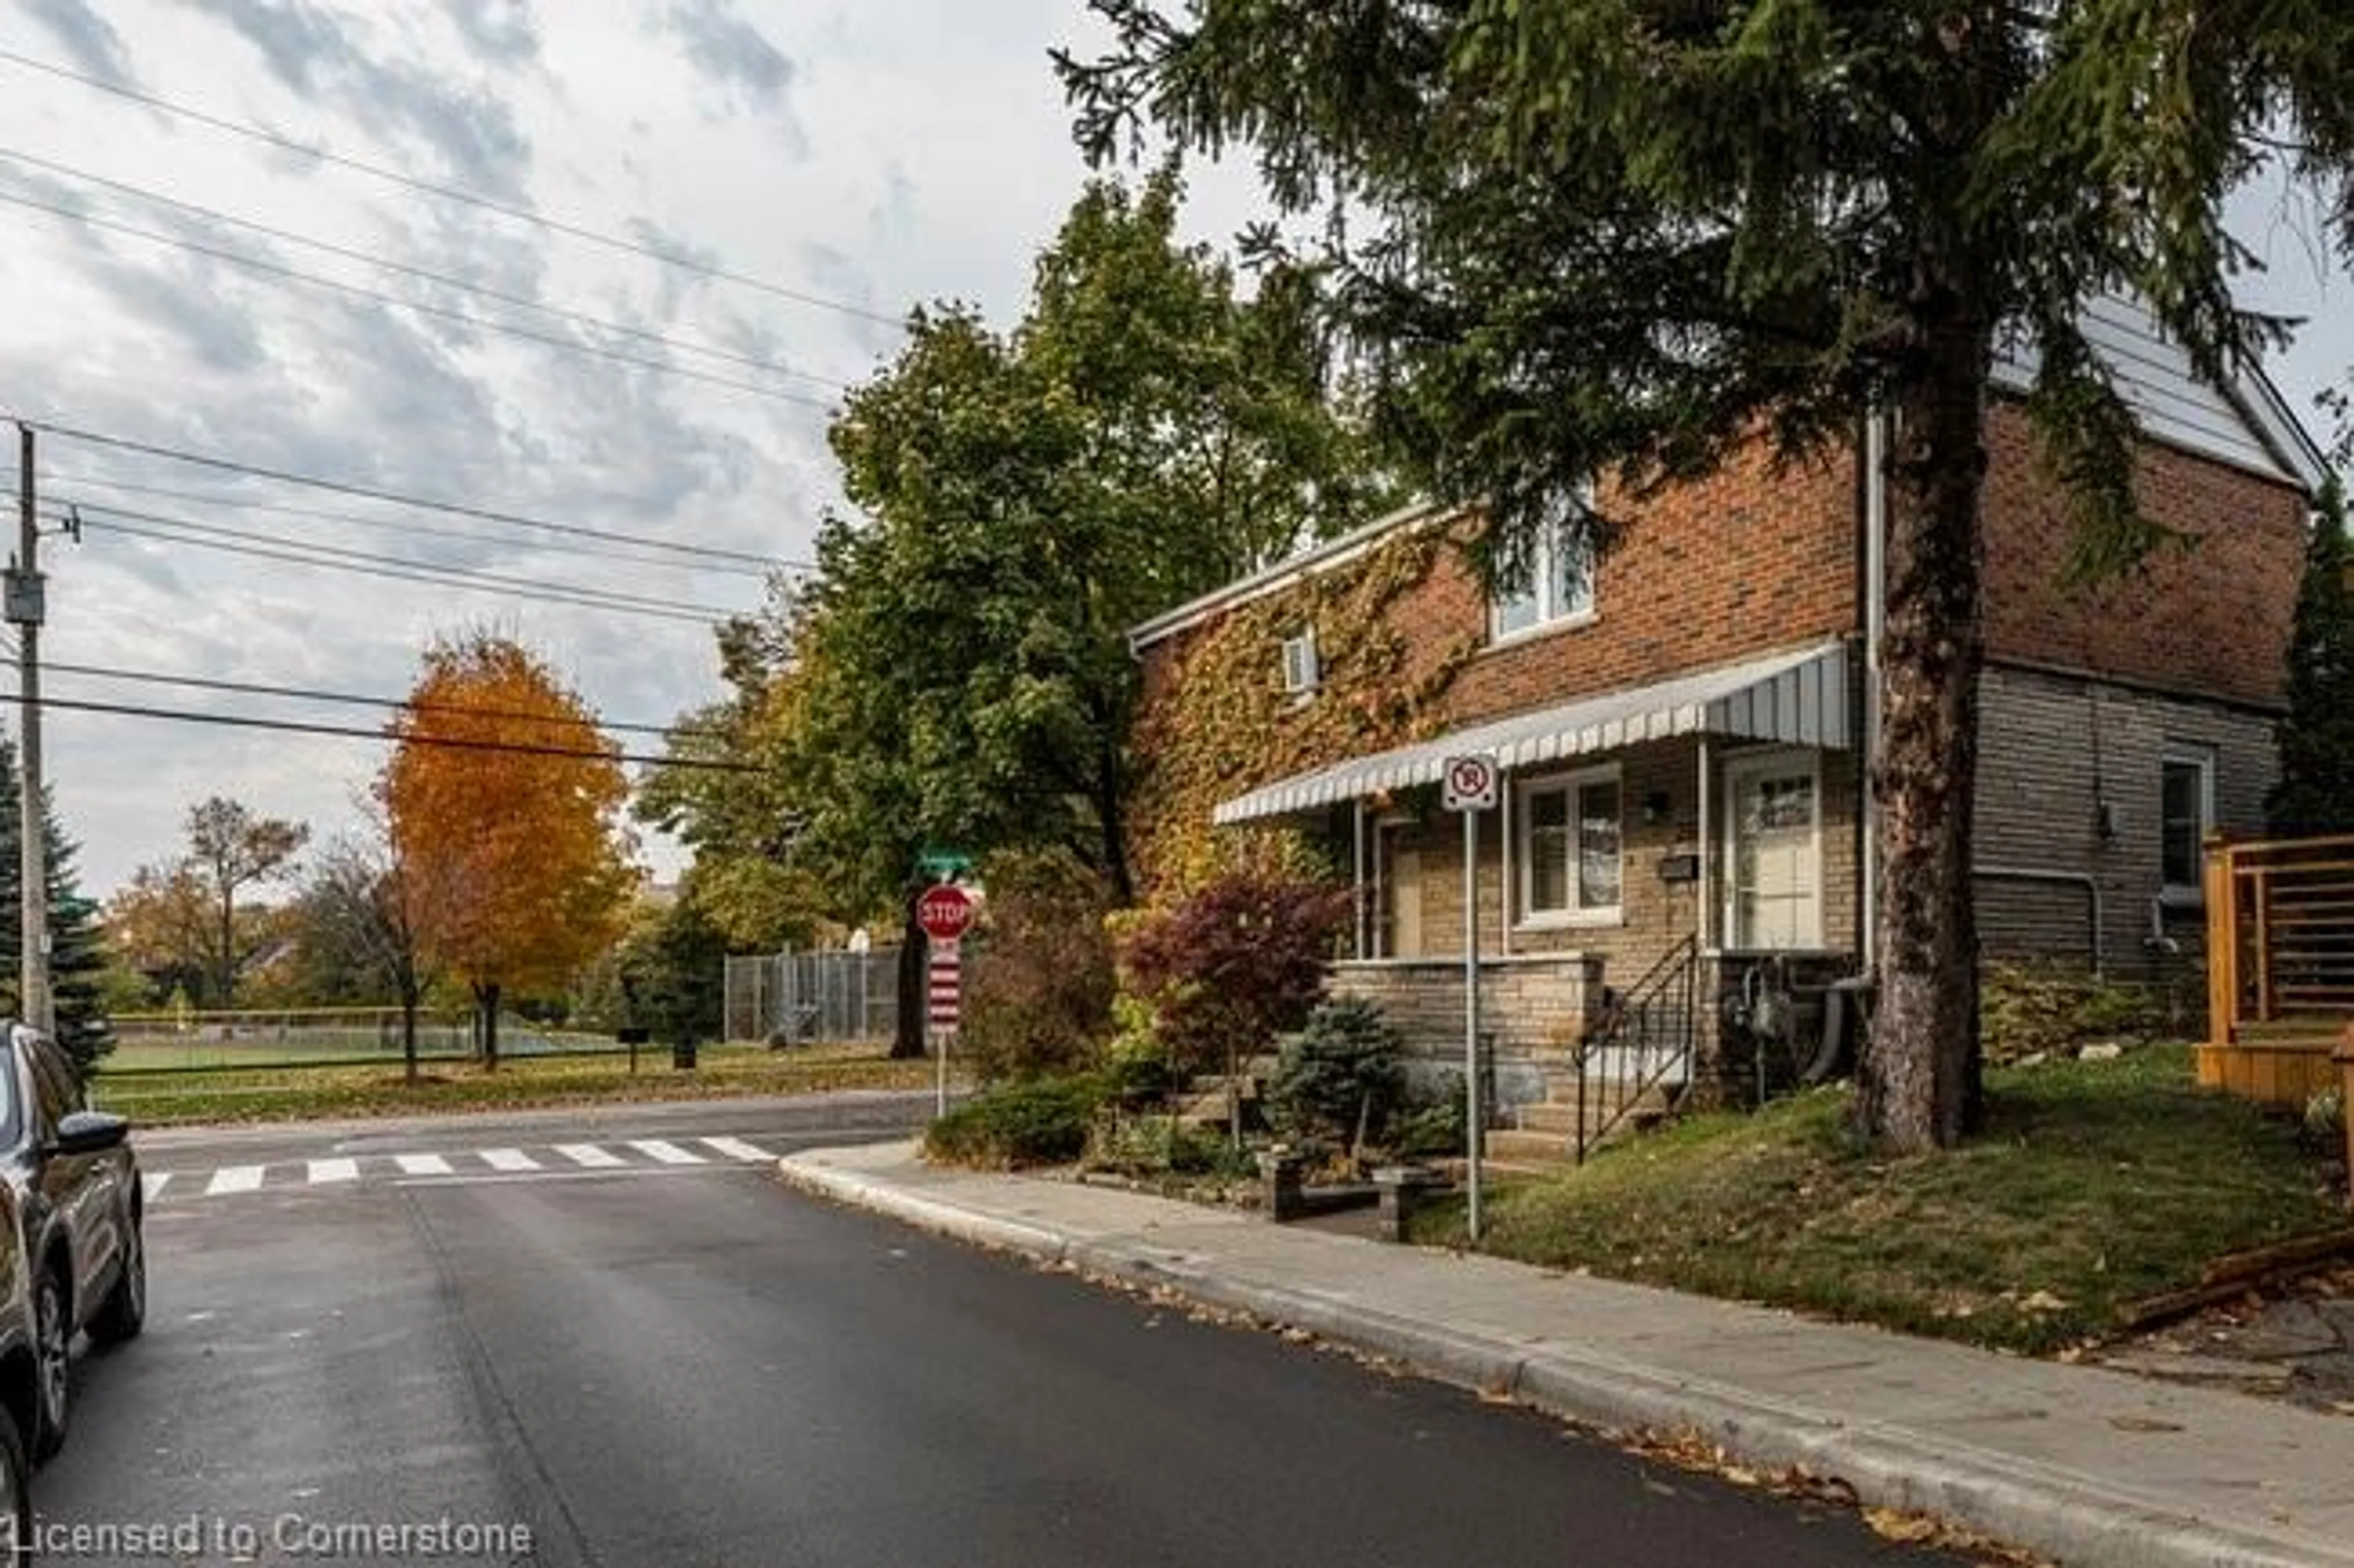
1558	585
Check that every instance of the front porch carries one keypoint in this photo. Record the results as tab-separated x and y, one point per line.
1655	851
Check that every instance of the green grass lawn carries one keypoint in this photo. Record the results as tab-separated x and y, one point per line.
2095	1184
299	1094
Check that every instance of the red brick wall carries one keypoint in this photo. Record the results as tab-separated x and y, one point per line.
1748	561
2213	620
1711	572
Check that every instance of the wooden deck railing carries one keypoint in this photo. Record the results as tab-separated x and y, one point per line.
2280	965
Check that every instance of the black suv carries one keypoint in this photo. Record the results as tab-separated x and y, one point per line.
71	1253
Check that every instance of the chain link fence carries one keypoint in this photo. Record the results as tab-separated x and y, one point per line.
833	995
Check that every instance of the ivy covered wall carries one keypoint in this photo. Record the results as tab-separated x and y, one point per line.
1215	721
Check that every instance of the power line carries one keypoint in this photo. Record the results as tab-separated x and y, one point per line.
454	743
452	193
404	527
352	699
441	313
393	498
445	280
431	577
368	558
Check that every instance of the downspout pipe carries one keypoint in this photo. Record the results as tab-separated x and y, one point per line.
2048	879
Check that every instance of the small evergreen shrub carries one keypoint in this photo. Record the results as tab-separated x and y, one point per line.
1435	1125
1044	1121
1340	1076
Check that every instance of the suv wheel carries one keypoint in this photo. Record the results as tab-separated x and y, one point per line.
124	1311
53	1337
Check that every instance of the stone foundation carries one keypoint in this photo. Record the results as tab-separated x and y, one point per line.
1531	1009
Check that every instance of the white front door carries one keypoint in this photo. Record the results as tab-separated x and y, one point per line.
1774	851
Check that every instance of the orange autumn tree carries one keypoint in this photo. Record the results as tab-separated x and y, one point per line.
504	801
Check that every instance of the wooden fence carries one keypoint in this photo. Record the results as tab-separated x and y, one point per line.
2280	965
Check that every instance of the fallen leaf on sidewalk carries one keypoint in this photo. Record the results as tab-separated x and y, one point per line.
1894	1524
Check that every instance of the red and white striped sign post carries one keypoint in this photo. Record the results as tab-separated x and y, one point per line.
945	913
940	988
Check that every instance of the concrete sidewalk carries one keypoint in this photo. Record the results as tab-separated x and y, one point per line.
2095	1469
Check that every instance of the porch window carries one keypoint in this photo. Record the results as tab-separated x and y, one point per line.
2186	816
1774	876
1559	585
1569	849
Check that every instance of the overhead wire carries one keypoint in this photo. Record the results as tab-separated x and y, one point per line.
433	576
89	512
450	193
456	743
355	699
423	275
405	527
394	498
438	312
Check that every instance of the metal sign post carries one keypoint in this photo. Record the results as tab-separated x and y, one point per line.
945	914
1471	789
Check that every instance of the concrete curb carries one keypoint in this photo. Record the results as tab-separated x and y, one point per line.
2079	1521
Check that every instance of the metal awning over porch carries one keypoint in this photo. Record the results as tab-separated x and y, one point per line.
1798	697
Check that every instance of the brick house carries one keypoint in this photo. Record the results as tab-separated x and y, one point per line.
1681	725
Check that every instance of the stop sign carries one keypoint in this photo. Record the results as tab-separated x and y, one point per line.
944	913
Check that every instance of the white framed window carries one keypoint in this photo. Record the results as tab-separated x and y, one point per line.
2186	815
1301	670
1774	851
1558	585
1569	831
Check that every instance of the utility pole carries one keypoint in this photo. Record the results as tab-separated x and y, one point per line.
25	610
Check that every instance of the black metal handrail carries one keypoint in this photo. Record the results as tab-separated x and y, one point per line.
1651	1028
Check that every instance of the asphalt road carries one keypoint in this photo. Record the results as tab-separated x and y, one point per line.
678	1364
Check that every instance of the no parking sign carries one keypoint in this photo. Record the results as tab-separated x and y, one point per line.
1471	784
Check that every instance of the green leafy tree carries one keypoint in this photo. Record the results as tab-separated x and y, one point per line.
1627	239
671	972
2316	790
78	949
957	673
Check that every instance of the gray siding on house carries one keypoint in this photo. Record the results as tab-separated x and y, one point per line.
2171	400
2044	738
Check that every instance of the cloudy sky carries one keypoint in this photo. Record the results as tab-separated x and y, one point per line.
841	160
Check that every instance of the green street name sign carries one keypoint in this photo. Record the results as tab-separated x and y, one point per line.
943	862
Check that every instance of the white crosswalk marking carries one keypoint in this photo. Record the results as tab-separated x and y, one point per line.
737	1148
666	1153
588	1154
422	1164
325	1170
152	1182
234	1178
509	1160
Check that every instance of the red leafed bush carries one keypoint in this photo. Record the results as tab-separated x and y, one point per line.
1238	962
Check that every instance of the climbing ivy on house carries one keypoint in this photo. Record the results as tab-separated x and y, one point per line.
1222	725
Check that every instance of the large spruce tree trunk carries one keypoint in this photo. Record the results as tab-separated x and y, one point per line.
1918	1086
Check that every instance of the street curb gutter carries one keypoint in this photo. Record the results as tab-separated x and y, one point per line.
2077	1520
